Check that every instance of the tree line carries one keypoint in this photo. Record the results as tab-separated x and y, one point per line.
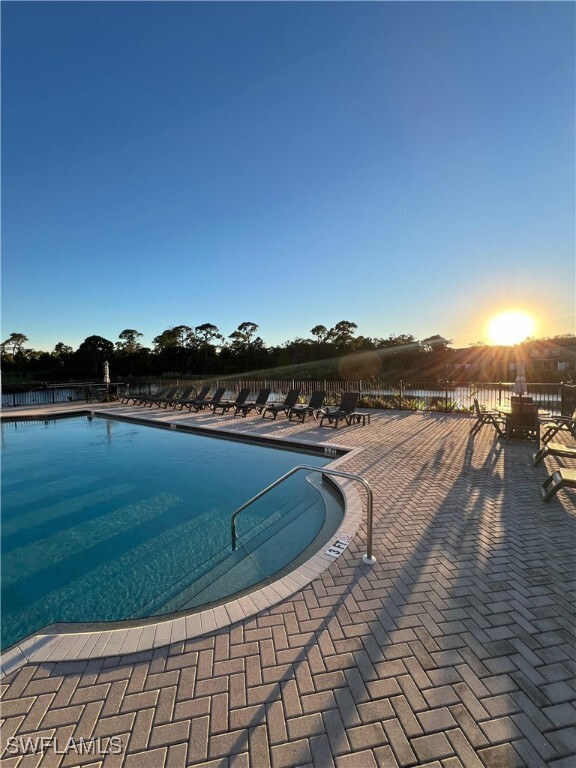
203	351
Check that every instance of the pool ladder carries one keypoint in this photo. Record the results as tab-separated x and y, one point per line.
368	557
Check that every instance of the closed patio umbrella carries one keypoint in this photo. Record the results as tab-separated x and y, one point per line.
106	374
520	387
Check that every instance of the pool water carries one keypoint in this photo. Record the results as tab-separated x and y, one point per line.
106	520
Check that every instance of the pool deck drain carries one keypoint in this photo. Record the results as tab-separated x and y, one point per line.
457	648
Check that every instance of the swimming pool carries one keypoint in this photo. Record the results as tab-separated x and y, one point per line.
107	520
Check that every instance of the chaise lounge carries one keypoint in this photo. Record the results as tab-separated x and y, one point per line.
559	479
313	408
140	399
199	405
550	426
289	402
553	449
226	405
166	401
258	405
343	412
185	399
158	397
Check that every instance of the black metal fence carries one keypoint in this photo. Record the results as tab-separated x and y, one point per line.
445	397
52	394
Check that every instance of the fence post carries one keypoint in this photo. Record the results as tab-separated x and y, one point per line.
401	394
446	406
500	393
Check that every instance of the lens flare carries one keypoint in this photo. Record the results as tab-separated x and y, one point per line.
360	365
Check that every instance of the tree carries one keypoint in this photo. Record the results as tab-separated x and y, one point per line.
62	354
243	338
14	343
185	336
129	343
342	334
208	333
61	350
97	345
92	353
168	339
320	331
437	343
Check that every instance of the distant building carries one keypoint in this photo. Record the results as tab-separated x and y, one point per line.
545	359
557	355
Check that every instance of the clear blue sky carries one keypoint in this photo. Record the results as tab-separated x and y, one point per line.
406	166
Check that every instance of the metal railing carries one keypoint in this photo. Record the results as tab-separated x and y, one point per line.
440	396
54	394
368	557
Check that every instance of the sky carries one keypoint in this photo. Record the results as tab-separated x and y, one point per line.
406	166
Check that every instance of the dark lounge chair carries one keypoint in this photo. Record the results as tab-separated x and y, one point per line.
226	405
551	425
559	479
199	405
201	396
314	406
343	412
166	401
258	405
289	402
487	417
159	397
139	399
553	449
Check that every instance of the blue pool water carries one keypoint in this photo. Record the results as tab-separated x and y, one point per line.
106	520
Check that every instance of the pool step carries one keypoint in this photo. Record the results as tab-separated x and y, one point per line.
265	555
163	602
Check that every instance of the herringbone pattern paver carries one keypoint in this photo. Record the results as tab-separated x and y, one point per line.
456	649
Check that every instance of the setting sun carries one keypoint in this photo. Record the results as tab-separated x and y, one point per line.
510	327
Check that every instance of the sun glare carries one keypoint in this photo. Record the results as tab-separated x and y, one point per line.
510	327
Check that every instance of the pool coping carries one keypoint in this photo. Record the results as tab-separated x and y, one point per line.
147	634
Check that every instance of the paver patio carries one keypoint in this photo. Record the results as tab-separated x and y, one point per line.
456	649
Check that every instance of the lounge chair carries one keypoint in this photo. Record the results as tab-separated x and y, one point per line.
289	402
166	401
487	417
199	405
553	449
313	407
551	425
343	412
226	405
559	479
158	397
186	400
189	401
258	405
138	399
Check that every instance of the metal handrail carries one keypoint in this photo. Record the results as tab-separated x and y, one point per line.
368	557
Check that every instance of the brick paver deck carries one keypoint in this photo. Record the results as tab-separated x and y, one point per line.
456	649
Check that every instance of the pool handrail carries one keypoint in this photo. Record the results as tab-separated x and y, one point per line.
368	558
